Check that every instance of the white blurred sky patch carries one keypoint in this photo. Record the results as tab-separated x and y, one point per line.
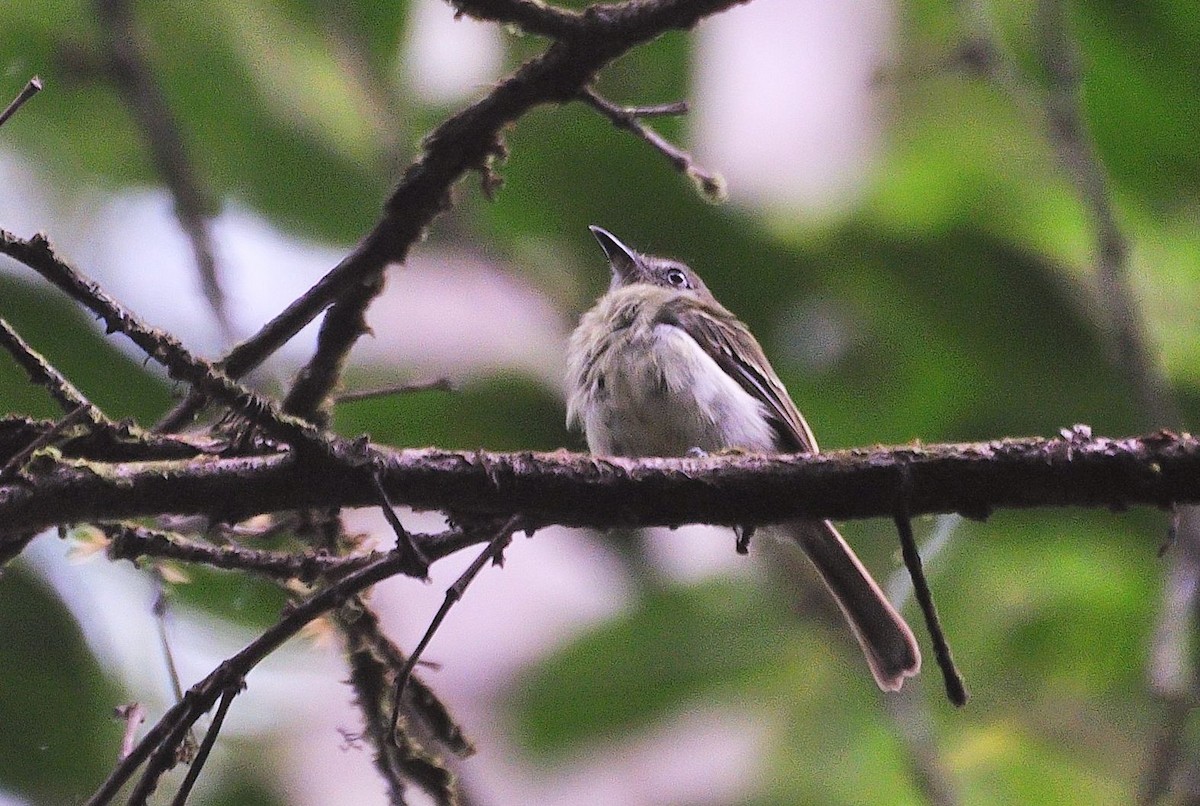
444	59
442	314
695	553
785	99
703	754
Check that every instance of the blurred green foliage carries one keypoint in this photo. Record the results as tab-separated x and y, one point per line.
964	268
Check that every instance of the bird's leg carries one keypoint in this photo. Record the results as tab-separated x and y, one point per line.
742	533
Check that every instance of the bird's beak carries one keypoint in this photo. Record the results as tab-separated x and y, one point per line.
623	260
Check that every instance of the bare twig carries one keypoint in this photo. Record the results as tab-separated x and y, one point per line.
710	184
210	738
130	70
433	385
956	690
160	618
131	541
46	437
31	88
494	552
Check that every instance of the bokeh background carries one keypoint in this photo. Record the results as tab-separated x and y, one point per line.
899	233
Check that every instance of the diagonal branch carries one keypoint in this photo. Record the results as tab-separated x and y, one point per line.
37	254
130	72
43	373
467	141
160	739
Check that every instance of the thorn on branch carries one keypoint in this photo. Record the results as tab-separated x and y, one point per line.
744	533
133	715
711	185
492	179
659	110
31	88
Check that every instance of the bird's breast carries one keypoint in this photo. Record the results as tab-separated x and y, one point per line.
641	388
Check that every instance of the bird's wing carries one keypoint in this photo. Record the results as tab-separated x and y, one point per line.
731	344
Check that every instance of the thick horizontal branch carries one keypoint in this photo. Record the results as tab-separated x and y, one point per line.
1161	469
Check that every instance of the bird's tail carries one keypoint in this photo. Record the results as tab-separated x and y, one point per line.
888	643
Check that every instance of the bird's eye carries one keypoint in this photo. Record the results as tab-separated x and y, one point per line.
677	278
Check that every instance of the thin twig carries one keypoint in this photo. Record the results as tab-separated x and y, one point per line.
46	437
433	385
31	88
710	184
494	552
160	618
130	541
130	70
956	691
210	738
404	540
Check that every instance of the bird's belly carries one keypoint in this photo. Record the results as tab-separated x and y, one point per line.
679	400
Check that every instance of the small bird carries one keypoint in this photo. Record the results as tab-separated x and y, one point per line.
658	367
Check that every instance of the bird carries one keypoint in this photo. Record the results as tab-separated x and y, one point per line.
659	367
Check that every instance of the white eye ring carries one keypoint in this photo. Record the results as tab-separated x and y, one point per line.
677	278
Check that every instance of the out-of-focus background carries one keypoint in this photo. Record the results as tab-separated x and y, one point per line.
901	235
